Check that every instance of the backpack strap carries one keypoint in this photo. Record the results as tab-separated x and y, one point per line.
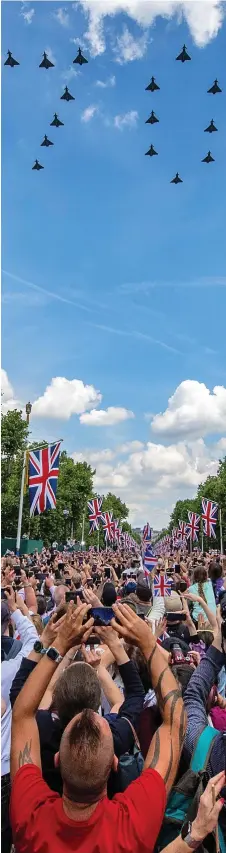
136	739
203	748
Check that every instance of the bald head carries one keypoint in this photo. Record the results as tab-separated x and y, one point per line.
86	757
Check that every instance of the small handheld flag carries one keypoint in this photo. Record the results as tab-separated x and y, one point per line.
161	585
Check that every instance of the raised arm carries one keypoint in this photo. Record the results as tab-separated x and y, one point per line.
25	746
191	596
166	745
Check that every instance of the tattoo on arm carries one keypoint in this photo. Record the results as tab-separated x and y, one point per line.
25	755
169	768
156	755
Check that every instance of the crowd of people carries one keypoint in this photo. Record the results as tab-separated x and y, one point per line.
113	703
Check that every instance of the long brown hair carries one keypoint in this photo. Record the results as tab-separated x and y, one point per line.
200	577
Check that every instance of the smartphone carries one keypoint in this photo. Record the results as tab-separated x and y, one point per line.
67	581
30	574
60	565
101	615
71	596
107	572
89	582
3	595
178	616
17	570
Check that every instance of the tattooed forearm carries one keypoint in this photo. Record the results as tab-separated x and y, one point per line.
169	768
156	741
25	755
151	656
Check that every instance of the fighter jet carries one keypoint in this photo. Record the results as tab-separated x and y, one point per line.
11	61
211	127
183	56
37	166
151	151
56	122
176	180
46	62
152	86
46	142
214	89
208	158
80	59
66	96
152	118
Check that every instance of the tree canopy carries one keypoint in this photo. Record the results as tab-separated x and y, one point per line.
75	488
213	488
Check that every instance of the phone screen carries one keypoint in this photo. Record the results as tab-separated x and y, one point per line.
102	615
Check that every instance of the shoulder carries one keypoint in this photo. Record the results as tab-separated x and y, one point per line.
136	821
28	792
149	783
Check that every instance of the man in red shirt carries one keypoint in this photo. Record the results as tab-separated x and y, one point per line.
84	820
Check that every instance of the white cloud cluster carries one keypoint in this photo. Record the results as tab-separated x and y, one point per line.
126	120
127	47
89	113
65	397
106	84
192	411
106	417
27	13
8	399
204	18
62	16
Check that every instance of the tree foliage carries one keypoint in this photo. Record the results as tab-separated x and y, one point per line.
75	487
213	488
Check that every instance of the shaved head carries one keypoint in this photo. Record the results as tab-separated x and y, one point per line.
86	757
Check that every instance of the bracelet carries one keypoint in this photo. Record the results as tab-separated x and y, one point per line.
26	585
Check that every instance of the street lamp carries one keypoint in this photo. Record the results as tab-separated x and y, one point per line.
28	409
65	514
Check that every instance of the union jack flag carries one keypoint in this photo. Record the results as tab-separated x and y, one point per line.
95	513
118	531
209	517
108	524
182	530
42	478
161	586
149	559
146	532
192	527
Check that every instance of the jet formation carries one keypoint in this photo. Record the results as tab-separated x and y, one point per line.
154	87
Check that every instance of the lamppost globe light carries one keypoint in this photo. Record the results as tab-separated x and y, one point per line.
66	513
28	408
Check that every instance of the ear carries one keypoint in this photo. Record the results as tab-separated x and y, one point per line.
115	764
56	759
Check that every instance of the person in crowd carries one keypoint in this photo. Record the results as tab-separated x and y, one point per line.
202	586
84	818
11	617
216	576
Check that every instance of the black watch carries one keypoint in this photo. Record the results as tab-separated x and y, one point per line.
39	648
54	655
186	835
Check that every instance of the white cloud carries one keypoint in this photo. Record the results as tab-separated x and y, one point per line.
89	113
127	48
106	417
65	397
62	16
130	446
27	13
204	17
192	411
106	84
126	120
70	73
94	456
8	400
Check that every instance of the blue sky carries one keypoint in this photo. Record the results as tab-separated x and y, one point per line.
113	276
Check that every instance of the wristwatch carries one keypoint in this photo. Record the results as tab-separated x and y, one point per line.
186	835
53	654
39	648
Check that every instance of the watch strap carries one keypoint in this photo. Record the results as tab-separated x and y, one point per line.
57	658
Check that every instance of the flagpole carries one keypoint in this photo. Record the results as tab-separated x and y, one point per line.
202	539
19	525
191	543
98	539
83	530
221	533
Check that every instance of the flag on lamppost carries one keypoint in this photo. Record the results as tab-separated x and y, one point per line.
94	507
43	478
192	526
209	517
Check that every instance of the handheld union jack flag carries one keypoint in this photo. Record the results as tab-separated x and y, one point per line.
161	586
42	478
108	525
192	527
95	513
146	532
149	559
209	517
